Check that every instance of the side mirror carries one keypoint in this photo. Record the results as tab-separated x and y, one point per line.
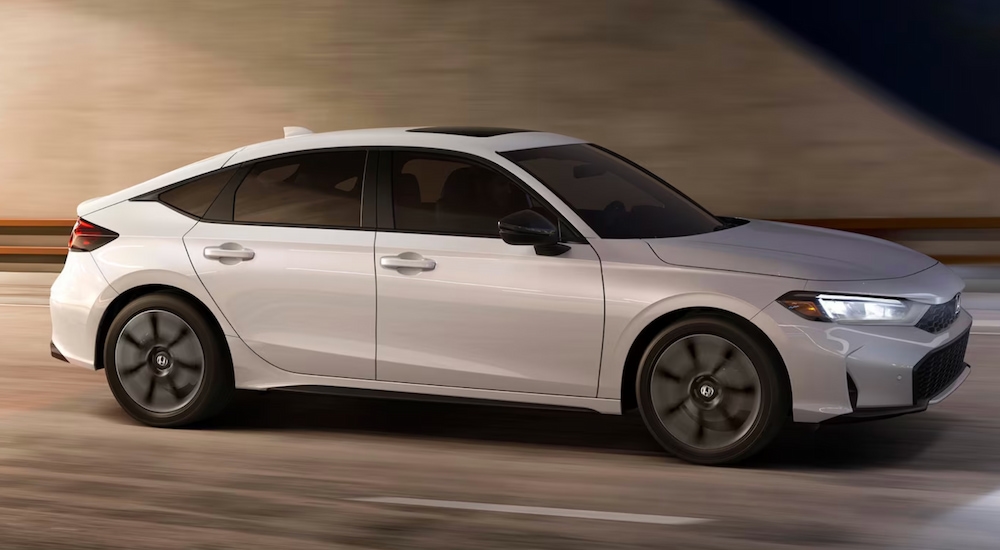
527	227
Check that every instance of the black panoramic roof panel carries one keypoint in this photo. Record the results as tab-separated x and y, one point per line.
471	131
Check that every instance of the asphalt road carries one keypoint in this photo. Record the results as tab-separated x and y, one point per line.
283	470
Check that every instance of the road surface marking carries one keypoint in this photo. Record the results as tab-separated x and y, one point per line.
24	305
534	510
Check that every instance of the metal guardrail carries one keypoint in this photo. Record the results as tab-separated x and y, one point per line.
35	229
32	251
37	222
866	225
898	227
870	226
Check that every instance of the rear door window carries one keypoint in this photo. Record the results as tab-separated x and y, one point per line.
320	189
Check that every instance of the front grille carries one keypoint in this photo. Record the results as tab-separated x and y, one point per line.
941	316
939	369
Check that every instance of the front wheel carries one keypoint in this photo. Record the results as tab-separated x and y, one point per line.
165	364
709	392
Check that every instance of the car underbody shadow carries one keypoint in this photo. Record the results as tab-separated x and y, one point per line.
854	446
870	444
459	421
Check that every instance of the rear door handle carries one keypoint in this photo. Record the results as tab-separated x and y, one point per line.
229	251
401	262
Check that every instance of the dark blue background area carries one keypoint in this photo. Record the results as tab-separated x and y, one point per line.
940	57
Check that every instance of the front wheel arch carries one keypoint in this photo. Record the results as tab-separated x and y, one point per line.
629	399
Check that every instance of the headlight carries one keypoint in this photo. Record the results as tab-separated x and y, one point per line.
847	309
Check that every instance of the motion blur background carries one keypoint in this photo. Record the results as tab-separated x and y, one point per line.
760	108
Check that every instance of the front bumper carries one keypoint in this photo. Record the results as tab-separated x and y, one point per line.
877	413
852	372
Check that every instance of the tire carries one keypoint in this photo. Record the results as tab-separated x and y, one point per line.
709	392
165	363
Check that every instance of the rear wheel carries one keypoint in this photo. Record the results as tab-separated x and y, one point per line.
165	364
709	392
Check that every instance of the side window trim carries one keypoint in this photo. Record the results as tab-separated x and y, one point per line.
385	216
222	210
386	221
369	200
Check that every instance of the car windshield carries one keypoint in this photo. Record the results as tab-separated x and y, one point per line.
616	198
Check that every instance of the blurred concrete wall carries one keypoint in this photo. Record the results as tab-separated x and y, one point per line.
96	95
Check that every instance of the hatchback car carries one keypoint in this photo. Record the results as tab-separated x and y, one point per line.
495	265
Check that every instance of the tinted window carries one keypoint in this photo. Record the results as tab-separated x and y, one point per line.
616	198
441	194
195	196
317	189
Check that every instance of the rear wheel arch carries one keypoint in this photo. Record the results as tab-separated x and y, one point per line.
137	292
654	328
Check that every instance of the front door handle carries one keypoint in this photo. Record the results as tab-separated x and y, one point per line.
407	260
229	253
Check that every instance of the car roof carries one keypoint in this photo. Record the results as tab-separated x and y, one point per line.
480	141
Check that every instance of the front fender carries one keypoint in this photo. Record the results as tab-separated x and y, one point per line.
613	362
638	295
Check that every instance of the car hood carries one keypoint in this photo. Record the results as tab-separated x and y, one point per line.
788	250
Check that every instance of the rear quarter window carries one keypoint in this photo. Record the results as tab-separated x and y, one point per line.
195	196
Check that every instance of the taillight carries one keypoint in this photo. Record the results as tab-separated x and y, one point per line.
87	236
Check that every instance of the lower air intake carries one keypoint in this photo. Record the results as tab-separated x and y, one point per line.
939	369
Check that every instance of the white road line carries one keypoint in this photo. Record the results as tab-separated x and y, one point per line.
535	510
24	305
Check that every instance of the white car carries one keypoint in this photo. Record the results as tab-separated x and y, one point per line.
501	266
